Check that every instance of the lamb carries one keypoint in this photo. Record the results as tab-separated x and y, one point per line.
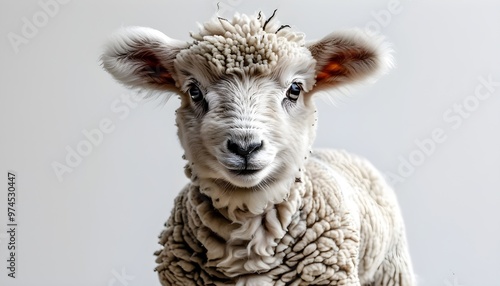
261	207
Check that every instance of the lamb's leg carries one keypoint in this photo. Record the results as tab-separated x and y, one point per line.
396	269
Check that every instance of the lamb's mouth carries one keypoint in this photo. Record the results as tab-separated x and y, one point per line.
244	172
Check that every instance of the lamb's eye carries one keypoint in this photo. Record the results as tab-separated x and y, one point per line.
293	91
195	93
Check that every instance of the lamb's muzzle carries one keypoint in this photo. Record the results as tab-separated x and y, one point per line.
261	208
244	152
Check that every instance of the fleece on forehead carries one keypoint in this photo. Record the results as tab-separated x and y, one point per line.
244	44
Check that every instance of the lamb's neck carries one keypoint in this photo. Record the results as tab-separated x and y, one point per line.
251	223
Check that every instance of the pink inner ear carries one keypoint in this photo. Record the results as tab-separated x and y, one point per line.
152	67
331	70
338	65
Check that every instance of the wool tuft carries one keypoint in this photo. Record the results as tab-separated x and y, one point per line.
248	44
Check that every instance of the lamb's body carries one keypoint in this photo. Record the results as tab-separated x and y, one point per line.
260	208
345	224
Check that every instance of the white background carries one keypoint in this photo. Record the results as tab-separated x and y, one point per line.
103	218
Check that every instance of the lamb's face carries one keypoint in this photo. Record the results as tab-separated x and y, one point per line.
248	130
245	118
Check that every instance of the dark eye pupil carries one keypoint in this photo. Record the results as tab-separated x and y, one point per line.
195	93
295	89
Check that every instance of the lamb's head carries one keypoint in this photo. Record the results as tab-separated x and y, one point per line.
247	119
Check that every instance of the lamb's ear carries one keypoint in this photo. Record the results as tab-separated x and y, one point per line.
349	56
142	57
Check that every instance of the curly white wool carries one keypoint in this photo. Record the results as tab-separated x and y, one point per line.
330	219
243	44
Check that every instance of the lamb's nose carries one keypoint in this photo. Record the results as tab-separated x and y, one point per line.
243	150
